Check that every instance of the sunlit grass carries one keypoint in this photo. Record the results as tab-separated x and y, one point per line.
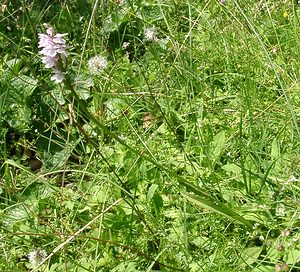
170	145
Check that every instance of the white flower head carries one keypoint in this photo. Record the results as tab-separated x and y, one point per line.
150	34
285	233
53	51
37	256
97	64
280	210
271	194
125	45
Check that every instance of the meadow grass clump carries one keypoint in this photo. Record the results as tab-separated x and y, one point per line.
150	136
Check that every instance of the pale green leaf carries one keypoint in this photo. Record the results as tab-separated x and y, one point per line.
151	191
275	151
218	145
249	256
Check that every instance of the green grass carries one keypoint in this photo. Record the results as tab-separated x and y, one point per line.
181	155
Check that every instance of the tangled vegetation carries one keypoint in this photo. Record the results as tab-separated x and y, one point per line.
149	135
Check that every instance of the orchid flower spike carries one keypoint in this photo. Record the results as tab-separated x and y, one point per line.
53	52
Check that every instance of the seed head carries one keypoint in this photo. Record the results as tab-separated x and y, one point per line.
97	64
37	256
150	34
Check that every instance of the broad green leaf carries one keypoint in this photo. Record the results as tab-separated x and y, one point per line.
19	117
232	168
15	215
151	191
13	66
21	88
58	96
83	85
157	202
272	253
18	112
218	145
275	151
292	256
114	107
204	242
249	256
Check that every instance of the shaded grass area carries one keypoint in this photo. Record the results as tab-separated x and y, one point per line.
182	154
